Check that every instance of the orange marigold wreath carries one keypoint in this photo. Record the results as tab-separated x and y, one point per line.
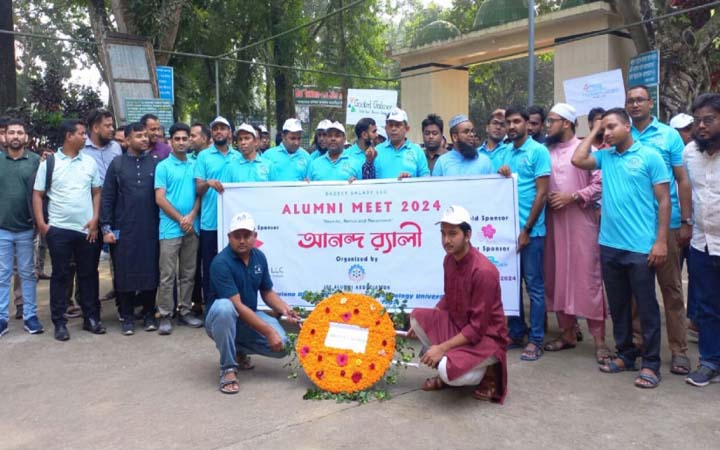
341	370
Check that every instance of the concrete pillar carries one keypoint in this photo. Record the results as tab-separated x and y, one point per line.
445	93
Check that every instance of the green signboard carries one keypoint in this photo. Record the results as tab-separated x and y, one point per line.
135	108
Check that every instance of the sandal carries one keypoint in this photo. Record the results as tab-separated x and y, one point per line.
433	384
578	333
558	344
532	355
244	362
612	367
653	380
224	382
680	364
487	388
602	354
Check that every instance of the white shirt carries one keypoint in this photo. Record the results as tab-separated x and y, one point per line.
704	172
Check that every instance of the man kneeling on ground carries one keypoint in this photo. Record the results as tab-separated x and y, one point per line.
465	336
237	273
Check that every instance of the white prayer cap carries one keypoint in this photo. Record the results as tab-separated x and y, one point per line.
263	130
397	115
242	221
292	125
565	111
247	128
455	215
323	125
220	119
336	126
681	121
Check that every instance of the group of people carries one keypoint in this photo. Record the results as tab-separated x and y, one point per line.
602	216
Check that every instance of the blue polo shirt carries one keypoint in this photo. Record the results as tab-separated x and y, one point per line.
176	177
229	276
629	212
453	163
668	143
213	165
391	162
529	162
245	171
324	169
317	154
496	155
287	166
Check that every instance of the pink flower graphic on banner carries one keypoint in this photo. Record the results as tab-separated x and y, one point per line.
489	231
258	243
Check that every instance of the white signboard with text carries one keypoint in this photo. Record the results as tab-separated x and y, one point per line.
373	103
604	89
381	233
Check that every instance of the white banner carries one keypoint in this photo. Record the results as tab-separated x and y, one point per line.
373	103
604	89
377	232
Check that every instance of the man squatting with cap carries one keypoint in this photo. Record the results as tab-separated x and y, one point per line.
237	273
464	336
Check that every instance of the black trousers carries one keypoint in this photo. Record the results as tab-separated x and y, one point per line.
208	251
65	245
128	300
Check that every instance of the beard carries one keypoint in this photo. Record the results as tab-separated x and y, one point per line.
468	151
704	144
104	141
221	142
552	139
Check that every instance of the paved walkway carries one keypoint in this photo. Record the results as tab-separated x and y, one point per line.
148	391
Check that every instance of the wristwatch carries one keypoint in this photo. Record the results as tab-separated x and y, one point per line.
575	197
106	229
688	221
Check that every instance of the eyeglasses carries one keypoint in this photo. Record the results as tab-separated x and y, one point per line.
707	120
636	101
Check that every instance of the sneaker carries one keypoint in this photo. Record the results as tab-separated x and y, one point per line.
33	325
150	323
190	321
165	326
3	327
128	327
19	312
703	376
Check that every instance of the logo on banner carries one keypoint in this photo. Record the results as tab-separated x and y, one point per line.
277	271
496	262
356	273
489	231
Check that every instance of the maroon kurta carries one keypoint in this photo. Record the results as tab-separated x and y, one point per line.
472	306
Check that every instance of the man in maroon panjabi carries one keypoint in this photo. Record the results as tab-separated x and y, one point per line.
465	336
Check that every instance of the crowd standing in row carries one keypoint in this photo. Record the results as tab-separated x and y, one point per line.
600	217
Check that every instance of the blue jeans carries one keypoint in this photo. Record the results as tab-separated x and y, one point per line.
232	335
531	267
626	275
17	245
705	277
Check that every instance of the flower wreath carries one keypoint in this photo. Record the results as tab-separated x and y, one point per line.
341	370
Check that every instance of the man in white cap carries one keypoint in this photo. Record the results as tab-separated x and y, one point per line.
398	157
251	167
233	321
683	123
264	139
290	161
464	158
320	141
571	243
210	173
464	335
336	164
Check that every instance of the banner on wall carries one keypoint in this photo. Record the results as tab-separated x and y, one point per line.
605	90
373	103
381	233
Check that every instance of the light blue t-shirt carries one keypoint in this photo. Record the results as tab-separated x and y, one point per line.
668	142
342	169
317	154
629	212
530	162
496	155
453	163
391	162
103	156
213	165
176	177
245	171
70	206
287	166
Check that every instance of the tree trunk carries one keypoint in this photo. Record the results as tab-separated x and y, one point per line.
343	61
124	19
168	34
631	12
100	25
282	54
8	76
